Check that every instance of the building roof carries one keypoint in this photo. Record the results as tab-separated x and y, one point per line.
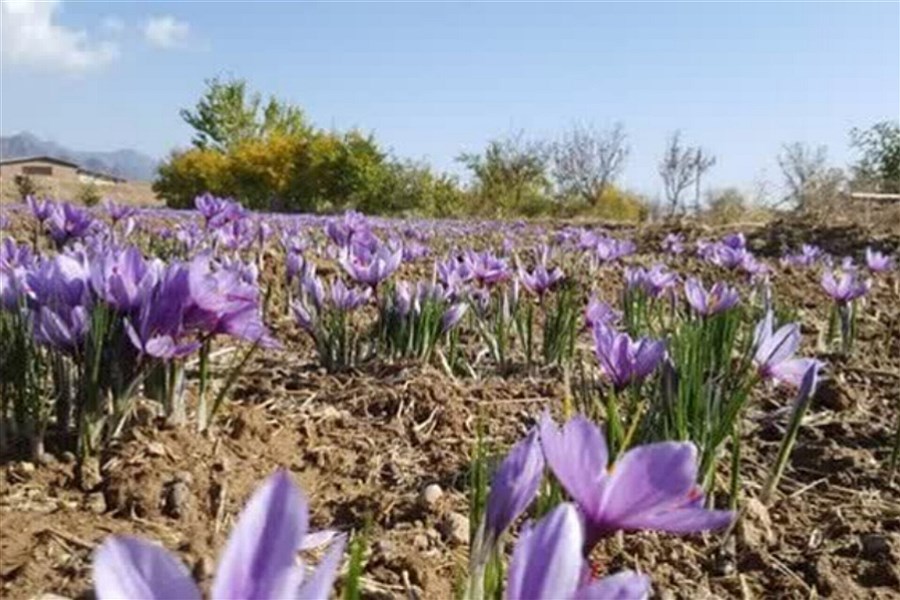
65	163
21	159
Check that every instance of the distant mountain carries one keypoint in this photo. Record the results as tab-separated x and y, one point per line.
129	164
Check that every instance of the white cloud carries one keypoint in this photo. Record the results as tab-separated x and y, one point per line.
31	36
166	31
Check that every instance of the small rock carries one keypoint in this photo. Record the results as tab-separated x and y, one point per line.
420	541
185	477
96	503
203	568
46	459
756	526
431	495
156	449
177	497
26	468
384	549
874	545
67	457
456	528
88	475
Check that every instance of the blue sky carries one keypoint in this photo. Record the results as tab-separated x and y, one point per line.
434	80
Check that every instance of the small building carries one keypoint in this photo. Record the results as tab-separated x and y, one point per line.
49	170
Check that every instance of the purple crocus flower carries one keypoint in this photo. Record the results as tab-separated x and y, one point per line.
736	241
217	212
807	256
654	282
727	256
454	274
547	564
259	561
453	315
403	298
352	228
413	251
540	280
623	360
486	268
609	249
122	278
718	299
40	209
673	243
222	302
61	280
774	355
878	262
157	330
15	262
599	313
347	299
68	222
846	287
371	268
118	212
61	327
294	265
651	487
514	485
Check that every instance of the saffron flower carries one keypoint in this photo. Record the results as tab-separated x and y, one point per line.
547	564
486	268
844	288
371	268
452	316
259	561
540	280
123	278
650	487
807	256
599	313
514	485
878	262
222	301
623	360
775	350
118	212
673	243
41	209
67	222
654	281
718	299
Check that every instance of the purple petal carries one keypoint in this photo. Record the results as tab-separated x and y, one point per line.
686	520
515	484
577	455
128	567
780	346
265	541
654	487
547	561
792	371
319	584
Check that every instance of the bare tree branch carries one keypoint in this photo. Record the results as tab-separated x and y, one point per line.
587	160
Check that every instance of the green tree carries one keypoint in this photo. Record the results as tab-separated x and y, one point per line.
511	175
227	114
879	165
